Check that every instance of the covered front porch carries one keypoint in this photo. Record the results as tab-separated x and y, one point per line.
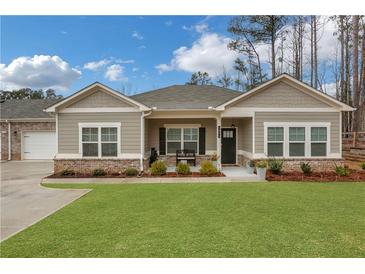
210	136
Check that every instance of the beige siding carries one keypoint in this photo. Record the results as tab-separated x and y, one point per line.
209	124
280	95
332	117
99	99
247	134
68	130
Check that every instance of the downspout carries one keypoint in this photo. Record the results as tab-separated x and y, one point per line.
9	140
143	115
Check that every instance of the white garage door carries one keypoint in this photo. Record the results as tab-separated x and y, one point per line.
39	145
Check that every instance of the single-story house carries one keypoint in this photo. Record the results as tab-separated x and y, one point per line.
98	127
26	131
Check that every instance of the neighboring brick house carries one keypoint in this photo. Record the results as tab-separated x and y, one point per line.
31	130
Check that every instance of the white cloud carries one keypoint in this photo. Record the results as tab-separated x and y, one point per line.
39	71
135	69
330	89
209	53
115	73
95	65
121	61
142	47
168	23
64	32
199	28
137	35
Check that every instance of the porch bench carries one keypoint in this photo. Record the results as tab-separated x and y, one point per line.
185	154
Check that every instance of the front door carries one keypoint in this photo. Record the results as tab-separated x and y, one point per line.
228	146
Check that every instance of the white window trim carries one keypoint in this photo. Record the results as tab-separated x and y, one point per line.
307	126
99	126
182	137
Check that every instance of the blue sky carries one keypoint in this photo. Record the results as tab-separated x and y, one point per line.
130	53
136	43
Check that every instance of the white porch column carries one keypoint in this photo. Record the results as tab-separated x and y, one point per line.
142	140
219	143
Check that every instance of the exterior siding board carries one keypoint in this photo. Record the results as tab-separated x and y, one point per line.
68	129
332	117
281	95
98	99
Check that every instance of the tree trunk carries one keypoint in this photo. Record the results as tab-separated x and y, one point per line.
342	69
315	61
301	31
347	74
355	73
273	73
312	59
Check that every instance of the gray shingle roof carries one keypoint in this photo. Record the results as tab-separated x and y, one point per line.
186	97
29	108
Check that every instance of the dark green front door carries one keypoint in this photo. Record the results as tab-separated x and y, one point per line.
228	145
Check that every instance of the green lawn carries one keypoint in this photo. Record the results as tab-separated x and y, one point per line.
202	220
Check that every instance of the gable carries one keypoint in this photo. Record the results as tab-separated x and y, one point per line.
281	94
98	99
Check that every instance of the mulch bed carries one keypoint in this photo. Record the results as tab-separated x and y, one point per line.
144	175
355	176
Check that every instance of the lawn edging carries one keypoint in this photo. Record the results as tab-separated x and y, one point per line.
152	180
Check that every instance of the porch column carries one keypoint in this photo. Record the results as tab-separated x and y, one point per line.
142	141
219	143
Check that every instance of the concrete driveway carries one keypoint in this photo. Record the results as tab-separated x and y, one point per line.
23	200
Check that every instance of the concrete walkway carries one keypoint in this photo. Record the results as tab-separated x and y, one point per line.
23	200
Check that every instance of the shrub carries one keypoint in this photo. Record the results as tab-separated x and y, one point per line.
306	168
342	171
67	172
98	172
363	165
276	166
261	164
182	169
158	168
131	171
207	168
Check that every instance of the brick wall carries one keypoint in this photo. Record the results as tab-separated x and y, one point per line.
86	166
16	136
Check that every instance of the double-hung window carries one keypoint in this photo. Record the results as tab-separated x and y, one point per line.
90	142
109	141
296	141
181	138
275	141
191	138
99	140
173	140
318	141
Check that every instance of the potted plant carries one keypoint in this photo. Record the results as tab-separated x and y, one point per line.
261	168
214	159
250	166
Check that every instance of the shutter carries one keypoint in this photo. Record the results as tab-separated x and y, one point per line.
202	140
162	148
